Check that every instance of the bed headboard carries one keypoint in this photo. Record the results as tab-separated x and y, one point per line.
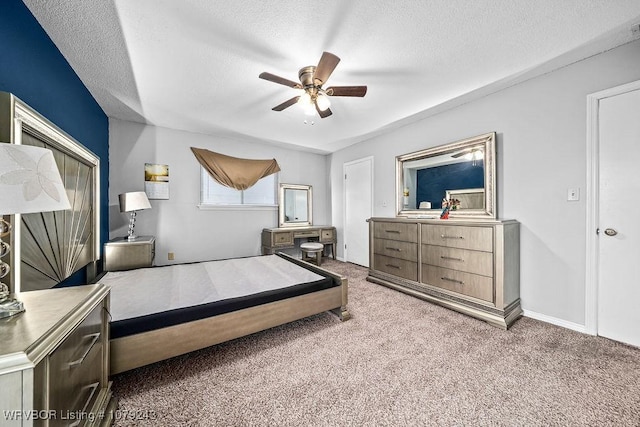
46	248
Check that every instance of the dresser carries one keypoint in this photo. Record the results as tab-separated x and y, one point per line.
54	359
123	254
472	266
274	239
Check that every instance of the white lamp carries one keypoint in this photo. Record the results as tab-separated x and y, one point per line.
29	182
132	202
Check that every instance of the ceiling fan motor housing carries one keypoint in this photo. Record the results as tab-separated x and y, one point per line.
306	76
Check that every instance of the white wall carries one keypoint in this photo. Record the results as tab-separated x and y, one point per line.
178	224
541	128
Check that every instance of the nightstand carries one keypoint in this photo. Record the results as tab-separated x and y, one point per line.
54	361
123	254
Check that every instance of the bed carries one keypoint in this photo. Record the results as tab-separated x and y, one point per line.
47	248
162	312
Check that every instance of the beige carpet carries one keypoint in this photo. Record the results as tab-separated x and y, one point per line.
399	361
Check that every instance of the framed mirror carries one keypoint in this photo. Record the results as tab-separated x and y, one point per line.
462	171
295	205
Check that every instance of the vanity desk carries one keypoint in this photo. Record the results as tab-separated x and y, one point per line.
295	220
274	239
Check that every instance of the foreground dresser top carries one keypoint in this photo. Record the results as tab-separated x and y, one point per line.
26	337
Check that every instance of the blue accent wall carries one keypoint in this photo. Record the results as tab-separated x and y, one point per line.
432	183
34	70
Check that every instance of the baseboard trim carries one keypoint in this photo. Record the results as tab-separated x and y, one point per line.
555	321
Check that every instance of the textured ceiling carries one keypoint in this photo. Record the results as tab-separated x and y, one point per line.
194	64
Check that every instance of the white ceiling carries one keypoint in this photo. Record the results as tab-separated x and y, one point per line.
194	64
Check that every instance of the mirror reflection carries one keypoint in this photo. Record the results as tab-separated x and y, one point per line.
462	173
295	205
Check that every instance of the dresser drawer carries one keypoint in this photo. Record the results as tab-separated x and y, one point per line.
305	234
396	249
76	367
397	267
327	235
456	236
283	238
476	262
396	231
468	284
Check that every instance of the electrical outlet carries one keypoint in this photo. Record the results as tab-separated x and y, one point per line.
635	30
573	194
171	256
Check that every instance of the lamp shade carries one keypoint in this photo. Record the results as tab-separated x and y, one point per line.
30	180
134	201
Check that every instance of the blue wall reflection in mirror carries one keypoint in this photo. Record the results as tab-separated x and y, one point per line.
433	182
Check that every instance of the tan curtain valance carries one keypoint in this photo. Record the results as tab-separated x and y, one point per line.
232	171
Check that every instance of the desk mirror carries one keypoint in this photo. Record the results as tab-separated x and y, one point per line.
464	171
295	205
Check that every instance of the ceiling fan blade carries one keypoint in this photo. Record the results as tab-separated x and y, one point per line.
327	64
280	80
286	104
323	114
347	91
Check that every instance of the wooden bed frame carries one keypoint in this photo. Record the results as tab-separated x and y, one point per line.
144	348
141	349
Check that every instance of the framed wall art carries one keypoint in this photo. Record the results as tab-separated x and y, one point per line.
156	181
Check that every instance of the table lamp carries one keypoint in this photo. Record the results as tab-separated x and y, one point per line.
133	202
29	182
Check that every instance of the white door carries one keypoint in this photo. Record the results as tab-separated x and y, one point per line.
358	207
618	314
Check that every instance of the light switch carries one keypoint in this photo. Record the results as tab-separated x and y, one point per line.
573	194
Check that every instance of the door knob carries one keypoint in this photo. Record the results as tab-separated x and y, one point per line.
610	232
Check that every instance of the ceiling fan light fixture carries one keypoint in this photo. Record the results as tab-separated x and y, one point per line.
323	101
306	102
309	110
305	98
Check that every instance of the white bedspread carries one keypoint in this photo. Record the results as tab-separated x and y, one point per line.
152	290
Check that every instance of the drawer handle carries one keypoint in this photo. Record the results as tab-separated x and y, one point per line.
460	282
394	266
451	258
392	231
444	236
85	408
394	249
94	340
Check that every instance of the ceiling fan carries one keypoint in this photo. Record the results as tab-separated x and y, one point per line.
315	98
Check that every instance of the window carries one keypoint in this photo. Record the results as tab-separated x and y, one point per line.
262	193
